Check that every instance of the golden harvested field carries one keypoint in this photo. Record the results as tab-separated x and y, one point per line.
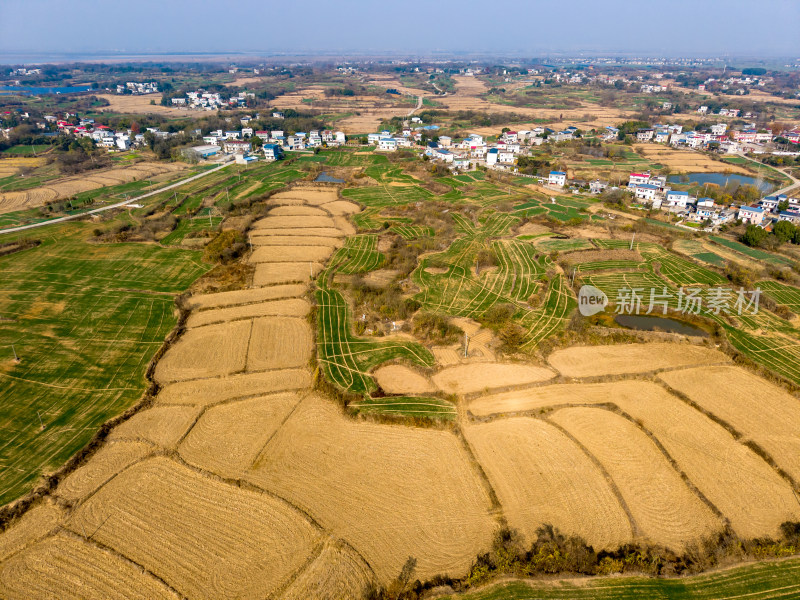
534	398
228	437
664	510
338	573
298	210
760	411
308	194
279	343
140	105
289	307
67	568
355	478
284	272
399	379
207	392
109	460
270	222
205	538
160	425
237	297
341	207
534	469
740	484
686	161
266	232
35	524
267	241
206	352
594	361
466	379
273	254
11	165
69	186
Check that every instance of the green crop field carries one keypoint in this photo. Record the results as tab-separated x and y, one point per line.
782	294
358	255
561	245
608	265
411	232
84	319
407	406
347	359
385	195
773	259
762	581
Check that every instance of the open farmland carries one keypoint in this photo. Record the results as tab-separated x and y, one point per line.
84	320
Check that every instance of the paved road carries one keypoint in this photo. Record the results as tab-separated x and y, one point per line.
111	206
783	190
417	107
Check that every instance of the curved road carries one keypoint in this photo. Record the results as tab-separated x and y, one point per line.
110	206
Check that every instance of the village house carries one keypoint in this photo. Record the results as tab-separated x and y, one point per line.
597	186
231	146
644	135
661	137
753	215
639	178
677	199
557	178
492	156
387	144
645	191
272	152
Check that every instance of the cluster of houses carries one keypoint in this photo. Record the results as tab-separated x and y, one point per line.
654	191
138	87
24	72
274	142
200	100
103	135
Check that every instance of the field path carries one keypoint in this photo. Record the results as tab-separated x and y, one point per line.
116	205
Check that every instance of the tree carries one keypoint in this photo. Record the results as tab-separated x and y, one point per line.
783	205
754	236
784	231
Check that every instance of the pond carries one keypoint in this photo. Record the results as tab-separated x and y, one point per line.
325	178
651	323
721	179
28	89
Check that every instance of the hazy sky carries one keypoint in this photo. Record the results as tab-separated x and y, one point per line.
533	27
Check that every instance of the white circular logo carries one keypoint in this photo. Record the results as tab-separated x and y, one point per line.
591	300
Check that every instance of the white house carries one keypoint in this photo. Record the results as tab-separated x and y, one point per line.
645	192
677	199
374	138
769	203
751	214
387	144
639	178
492	156
719	128
505	156
644	135
273	152
236	146
557	178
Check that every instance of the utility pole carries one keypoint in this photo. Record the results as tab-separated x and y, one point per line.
16	358
632	238
466	345
41	425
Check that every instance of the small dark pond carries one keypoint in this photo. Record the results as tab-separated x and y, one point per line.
325	178
651	323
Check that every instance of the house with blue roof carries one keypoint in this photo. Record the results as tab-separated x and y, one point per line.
557	178
677	199
753	215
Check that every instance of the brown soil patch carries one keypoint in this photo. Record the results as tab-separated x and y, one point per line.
109	460
228	437
592	361
533	229
759	410
465	379
160	425
380	278
279	254
663	508
243	543
541	476
206	352
290	307
279	343
730	475
338	573
399	379
322	461
284	272
34	525
67	568
236	297
140	105
344	225
208	392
